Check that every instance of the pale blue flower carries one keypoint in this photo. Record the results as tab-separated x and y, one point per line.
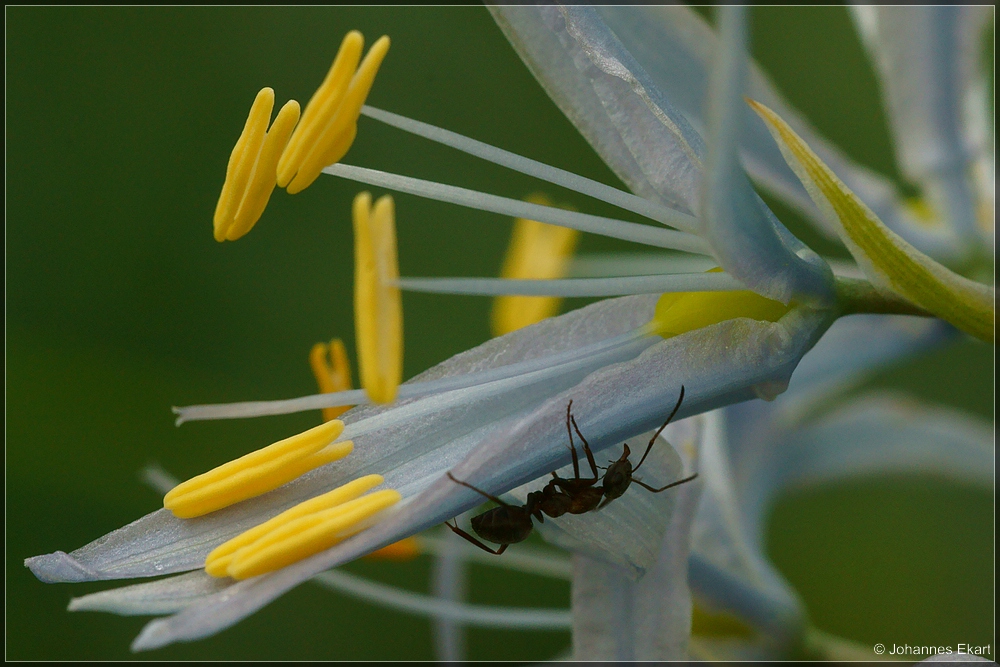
493	416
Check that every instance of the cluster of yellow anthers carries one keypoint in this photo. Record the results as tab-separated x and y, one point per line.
263	158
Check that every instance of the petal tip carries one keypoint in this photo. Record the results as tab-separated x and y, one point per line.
59	567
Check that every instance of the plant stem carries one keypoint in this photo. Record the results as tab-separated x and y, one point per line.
859	296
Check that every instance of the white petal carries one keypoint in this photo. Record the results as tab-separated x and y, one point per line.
674	45
604	92
416	439
164	596
929	62
618	618
718	364
747	238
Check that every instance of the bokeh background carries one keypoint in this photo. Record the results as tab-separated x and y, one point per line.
119	304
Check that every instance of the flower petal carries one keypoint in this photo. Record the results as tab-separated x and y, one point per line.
163	596
892	264
717	365
745	236
935	97
617	618
674	45
610	99
414	437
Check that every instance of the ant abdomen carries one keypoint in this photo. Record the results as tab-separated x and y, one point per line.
505	524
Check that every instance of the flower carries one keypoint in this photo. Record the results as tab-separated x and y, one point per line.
542	366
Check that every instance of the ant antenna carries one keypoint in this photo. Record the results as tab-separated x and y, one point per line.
677	407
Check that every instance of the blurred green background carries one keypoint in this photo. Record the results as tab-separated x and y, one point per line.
119	304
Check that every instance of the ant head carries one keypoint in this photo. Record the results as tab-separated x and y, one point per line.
618	477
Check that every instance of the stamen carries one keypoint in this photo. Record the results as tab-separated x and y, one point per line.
330	125
333	375
308	535
219	559
322	106
251	174
605	265
514	208
682	312
536	251
378	306
554	175
576	287
258	472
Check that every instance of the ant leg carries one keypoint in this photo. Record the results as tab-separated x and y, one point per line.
668	486
461	533
658	432
586	449
482	493
572	447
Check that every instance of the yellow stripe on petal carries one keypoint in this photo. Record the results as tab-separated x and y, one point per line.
335	126
258	472
219	559
680	312
378	305
537	251
889	262
333	375
309	535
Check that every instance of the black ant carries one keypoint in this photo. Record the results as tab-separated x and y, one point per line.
508	524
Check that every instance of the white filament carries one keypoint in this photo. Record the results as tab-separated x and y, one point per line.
551	364
576	287
515	208
554	175
424	605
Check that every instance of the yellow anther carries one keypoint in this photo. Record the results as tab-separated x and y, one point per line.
251	174
333	375
258	472
407	548
680	312
308	535
537	251
378	305
330	122
218	561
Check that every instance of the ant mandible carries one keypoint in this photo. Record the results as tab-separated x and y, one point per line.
508	524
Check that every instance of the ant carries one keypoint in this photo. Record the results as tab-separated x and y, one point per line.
508	524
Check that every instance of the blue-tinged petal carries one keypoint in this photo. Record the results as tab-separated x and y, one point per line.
674	46
618	618
745	236
163	596
719	364
934	89
610	99
853	347
728	570
414	438
882	434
